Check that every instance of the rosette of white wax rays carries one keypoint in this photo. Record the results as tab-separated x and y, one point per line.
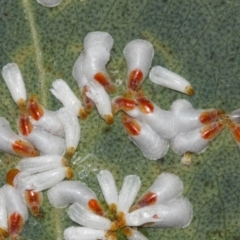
13	212
160	206
90	73
33	175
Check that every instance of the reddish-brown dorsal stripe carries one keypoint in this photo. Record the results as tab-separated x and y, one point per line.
25	126
145	105
24	149
15	224
125	103
135	79
34	201
207	117
94	205
131	125
235	129
212	130
148	199
35	109
11	175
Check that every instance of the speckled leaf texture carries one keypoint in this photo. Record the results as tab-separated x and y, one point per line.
197	39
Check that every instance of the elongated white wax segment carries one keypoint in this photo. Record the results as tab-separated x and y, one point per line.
14	80
82	82
235	115
67	192
188	119
98	39
197	140
128	193
10	142
109	188
43	118
138	54
41	163
161	121
16	210
133	234
49	3
169	79
3	215
45	142
83	233
150	143
177	214
165	188
99	96
86	218
71	127
66	96
41	181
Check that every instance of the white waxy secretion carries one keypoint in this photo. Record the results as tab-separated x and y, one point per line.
49	3
8	139
108	187
169	79
165	188
71	128
14	80
149	142
41	163
83	233
99	96
128	193
138	54
98	39
16	210
177	214
81	215
67	192
65	95
3	214
133	234
197	140
188	119
41	181
235	115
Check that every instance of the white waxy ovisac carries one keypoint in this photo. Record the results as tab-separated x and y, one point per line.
14	80
186	117
161	121
78	72
3	214
71	128
169	79
49	3
165	188
16	210
138	54
108	187
86	218
83	233
67	192
177	214
8	137
153	147
133	234
40	181
195	141
99	96
41	163
128	193
65	95
46	142
98	39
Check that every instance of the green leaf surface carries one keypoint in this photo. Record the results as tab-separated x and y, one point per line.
197	39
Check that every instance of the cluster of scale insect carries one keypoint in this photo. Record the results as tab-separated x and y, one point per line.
46	136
